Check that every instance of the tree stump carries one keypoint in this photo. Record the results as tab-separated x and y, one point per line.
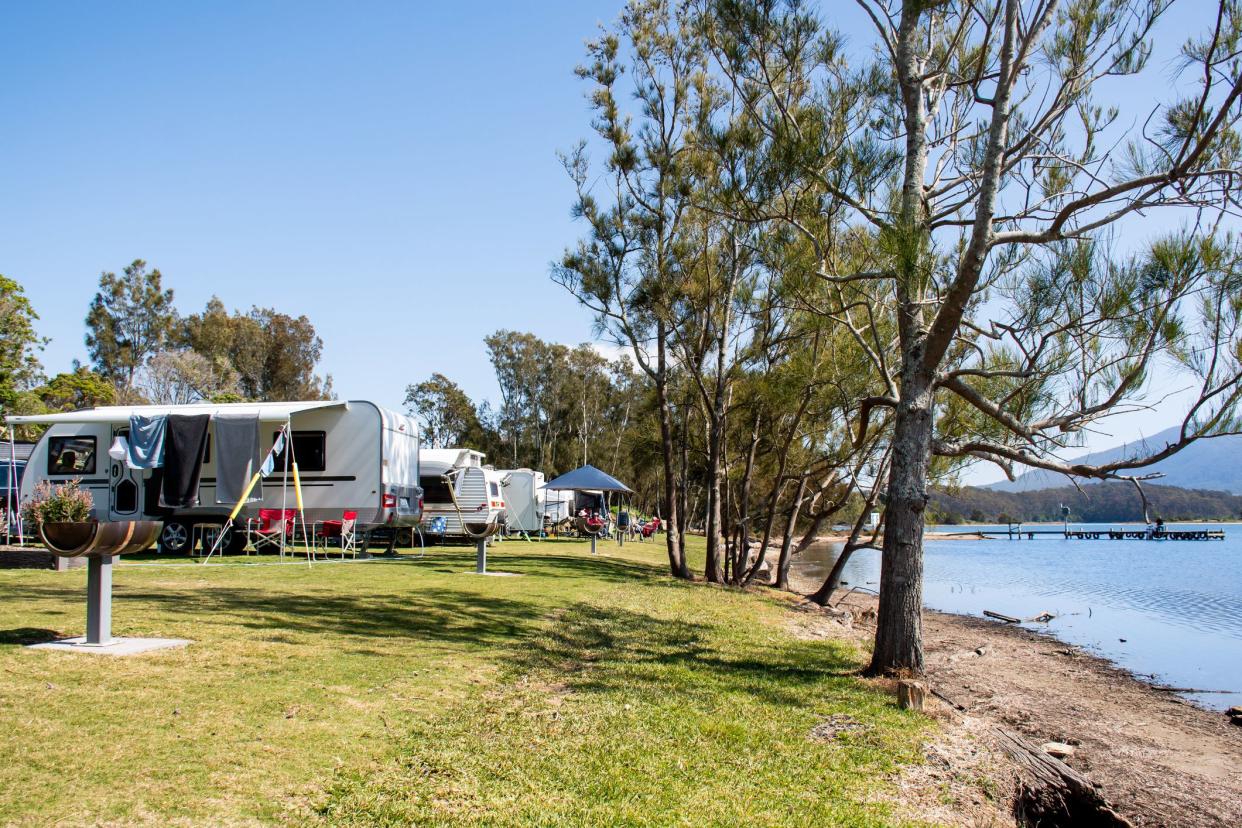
911	695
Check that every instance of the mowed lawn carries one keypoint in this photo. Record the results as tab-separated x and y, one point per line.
587	691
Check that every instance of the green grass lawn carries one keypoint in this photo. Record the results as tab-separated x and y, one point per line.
589	691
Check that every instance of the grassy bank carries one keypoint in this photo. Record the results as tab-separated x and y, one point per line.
586	691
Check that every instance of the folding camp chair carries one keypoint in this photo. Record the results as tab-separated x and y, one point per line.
343	531
273	527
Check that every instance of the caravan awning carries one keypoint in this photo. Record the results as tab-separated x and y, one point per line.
266	411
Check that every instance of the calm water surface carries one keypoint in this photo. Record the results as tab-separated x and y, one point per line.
1171	610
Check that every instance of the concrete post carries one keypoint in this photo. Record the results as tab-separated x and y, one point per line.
480	557
99	600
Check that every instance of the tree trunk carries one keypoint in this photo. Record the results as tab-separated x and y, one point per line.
684	491
899	626
712	569
672	525
786	558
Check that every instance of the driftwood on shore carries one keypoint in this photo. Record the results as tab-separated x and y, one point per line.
1008	619
1050	792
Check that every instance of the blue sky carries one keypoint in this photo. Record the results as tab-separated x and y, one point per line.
388	169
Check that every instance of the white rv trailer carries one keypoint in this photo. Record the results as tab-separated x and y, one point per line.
352	456
557	505
460	489
524	497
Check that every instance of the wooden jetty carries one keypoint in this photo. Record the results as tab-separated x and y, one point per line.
1016	531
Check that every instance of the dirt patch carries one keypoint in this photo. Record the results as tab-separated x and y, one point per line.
835	725
1160	760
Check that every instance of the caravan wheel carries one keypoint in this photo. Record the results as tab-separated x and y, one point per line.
234	542
175	537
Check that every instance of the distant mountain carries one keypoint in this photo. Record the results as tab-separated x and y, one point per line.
1214	464
1109	502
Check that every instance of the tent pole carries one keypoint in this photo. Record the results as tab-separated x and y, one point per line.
284	483
16	496
297	496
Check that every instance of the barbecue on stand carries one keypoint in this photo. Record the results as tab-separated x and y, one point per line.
590	479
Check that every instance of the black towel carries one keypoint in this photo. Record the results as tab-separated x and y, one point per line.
185	440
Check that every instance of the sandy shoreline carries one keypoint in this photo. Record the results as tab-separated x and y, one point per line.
1160	760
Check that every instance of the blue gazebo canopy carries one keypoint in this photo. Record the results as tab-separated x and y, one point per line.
588	478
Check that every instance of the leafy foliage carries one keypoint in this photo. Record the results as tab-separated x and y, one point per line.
130	319
446	415
272	354
57	503
19	343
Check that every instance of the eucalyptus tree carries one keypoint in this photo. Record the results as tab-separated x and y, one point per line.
19	343
274	355
446	415
182	377
588	383
979	153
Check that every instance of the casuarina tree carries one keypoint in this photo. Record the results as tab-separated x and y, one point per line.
130	320
990	157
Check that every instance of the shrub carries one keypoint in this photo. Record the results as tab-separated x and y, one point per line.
66	503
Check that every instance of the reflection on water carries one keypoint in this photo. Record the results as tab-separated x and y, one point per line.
1171	609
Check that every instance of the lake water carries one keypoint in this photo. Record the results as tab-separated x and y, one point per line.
1171	610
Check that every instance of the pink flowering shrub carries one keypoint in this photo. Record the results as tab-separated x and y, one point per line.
66	503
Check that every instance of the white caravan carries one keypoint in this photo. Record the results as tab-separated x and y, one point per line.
460	489
524	497
557	505
352	456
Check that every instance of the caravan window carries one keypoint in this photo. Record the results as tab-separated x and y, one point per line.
495	490
435	489
71	455
310	449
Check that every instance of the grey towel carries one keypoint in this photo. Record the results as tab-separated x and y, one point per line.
146	441
237	457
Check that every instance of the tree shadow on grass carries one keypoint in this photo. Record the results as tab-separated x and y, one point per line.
24	636
597	649
440	615
462	614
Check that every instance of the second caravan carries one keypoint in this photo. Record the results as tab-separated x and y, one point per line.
461	498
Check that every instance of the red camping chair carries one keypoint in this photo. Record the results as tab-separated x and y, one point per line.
343	532
273	527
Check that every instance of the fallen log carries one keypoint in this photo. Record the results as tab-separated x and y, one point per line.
1008	619
1164	689
947	700
1050	792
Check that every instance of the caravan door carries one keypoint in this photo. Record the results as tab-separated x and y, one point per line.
124	484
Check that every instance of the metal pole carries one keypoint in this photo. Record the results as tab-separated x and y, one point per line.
99	600
593	537
480	557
